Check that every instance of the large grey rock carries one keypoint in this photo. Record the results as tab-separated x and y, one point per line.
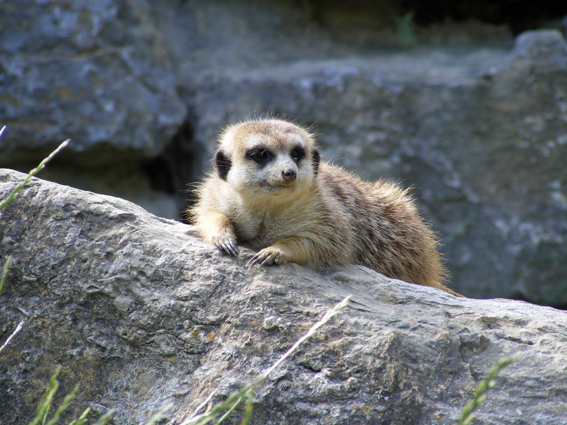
95	72
542	48
141	313
99	74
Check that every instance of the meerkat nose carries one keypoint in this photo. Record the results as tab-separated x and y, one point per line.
289	175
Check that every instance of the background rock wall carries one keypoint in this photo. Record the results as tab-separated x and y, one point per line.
450	102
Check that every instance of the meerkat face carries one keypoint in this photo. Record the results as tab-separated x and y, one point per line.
267	157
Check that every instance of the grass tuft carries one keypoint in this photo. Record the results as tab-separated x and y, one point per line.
406	30
5	272
44	405
482	389
31	174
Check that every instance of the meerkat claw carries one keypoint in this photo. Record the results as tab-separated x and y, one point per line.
221	247
227	247
233	249
252	261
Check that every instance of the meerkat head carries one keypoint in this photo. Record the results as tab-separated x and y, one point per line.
267	157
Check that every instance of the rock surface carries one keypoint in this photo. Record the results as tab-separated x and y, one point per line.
141	313
94	72
97	73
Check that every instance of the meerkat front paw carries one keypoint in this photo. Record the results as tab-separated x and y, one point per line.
269	256
226	242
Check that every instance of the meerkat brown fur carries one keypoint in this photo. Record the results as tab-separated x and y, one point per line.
269	189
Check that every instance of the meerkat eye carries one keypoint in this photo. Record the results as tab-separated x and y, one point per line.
298	153
259	155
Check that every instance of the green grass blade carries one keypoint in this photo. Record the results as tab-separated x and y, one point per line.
159	414
47	398
5	272
248	408
229	411
45	415
66	401
31	174
82	419
103	420
482	388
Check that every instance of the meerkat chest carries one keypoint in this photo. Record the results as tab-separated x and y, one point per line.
263	228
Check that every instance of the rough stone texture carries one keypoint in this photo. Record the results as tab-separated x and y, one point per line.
95	72
473	122
545	48
141	313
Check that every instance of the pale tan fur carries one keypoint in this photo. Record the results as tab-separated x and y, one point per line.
325	216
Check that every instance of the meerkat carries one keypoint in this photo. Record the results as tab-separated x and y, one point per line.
270	189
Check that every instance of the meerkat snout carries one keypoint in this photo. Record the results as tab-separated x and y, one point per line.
289	175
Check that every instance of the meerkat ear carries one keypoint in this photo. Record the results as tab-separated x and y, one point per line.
222	164
316	159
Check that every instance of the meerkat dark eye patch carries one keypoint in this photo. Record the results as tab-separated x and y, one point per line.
259	155
316	159
222	164
297	153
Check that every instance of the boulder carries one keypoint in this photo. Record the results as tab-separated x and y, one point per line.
140	313
97	73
